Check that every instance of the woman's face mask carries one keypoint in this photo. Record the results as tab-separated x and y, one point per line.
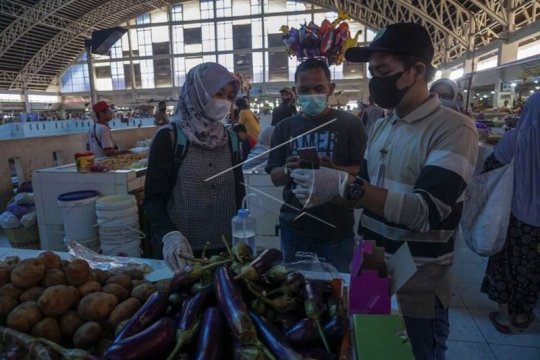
313	105
218	109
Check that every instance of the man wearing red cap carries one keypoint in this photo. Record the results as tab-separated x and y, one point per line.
100	139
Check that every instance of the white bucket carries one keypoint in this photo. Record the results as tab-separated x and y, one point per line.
78	213
118	221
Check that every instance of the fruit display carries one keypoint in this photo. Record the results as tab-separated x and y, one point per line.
228	306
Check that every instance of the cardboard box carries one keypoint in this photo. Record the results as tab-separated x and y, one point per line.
379	337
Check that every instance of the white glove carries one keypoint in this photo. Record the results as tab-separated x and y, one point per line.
317	186
174	243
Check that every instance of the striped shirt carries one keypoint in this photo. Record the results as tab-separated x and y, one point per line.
425	160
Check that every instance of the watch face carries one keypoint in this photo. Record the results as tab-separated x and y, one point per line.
355	190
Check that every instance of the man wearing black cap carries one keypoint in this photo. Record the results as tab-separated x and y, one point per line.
416	166
286	108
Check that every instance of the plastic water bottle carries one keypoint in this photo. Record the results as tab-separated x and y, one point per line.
243	229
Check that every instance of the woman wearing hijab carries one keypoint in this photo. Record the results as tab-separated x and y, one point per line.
513	275
185	210
447	90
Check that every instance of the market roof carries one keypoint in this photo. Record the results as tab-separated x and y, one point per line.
40	38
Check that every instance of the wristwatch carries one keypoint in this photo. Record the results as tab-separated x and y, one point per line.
355	191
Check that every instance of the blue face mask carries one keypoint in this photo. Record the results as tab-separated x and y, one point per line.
312	105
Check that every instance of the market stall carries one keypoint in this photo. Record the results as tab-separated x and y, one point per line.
231	306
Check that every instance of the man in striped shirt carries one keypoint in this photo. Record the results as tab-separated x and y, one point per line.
416	166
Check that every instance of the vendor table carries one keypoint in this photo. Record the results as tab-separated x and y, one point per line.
51	182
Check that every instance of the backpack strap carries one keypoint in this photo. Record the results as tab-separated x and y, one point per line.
234	146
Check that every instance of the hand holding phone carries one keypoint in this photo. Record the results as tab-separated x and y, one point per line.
309	158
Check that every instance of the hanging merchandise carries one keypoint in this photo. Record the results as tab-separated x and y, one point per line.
329	41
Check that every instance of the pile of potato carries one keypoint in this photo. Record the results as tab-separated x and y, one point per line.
68	302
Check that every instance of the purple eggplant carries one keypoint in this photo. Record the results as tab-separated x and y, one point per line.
263	262
189	318
184	279
211	335
303	333
335	329
152	342
150	312
273	339
234	308
314	308
286	321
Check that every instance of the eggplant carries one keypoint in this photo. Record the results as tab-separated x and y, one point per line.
263	262
282	304
150	312
335	329
286	321
276	275
325	288
234	308
189	318
211	335
314	308
275	341
177	300
152	342
292	285
303	333
188	276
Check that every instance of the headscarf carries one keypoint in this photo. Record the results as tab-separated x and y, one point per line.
523	144
448	82
202	83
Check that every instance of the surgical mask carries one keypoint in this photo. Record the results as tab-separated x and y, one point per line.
449	103
384	91
218	109
313	105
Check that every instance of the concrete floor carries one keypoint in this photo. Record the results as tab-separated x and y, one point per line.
472	337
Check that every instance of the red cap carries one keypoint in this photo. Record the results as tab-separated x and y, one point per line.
100	106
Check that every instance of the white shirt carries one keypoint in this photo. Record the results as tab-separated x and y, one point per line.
100	138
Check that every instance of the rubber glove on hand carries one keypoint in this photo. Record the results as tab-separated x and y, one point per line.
315	187
174	243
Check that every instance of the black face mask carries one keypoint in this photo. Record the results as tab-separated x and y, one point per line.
384	91
286	101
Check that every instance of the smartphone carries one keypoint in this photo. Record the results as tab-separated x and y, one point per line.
309	158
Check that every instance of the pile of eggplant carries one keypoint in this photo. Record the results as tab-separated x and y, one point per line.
231	306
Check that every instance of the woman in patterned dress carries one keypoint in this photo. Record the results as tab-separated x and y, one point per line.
513	275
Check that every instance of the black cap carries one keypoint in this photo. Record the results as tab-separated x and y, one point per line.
401	38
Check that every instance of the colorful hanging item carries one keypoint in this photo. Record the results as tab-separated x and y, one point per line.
330	40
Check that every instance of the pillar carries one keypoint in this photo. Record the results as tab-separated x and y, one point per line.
507	52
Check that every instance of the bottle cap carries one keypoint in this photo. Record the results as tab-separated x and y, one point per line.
243	213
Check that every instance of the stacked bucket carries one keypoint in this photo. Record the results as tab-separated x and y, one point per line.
118	225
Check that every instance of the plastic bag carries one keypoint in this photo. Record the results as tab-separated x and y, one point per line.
9	221
23	199
103	262
29	219
486	210
20	210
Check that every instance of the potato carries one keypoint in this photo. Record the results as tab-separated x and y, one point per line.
134	273
24	316
32	294
163	285
87	335
77	272
101	276
11	290
50	260
47	328
97	306
143	291
70	322
7	303
65	263
120	326
53	277
89	287
124	311
139	282
76	296
12	260
117	290
27	273
5	271
122	279
56	300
